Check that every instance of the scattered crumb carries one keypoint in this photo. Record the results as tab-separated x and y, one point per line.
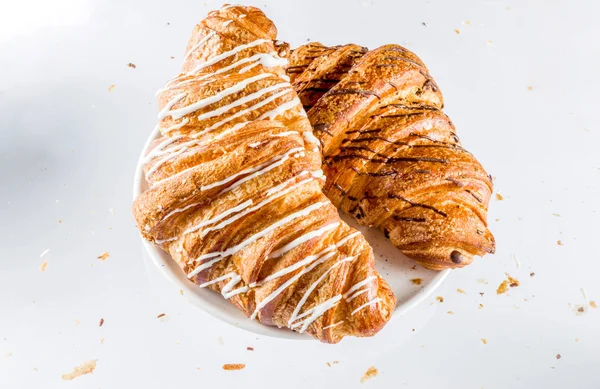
559	242
234	366
328	364
513	282
250	348
499	196
370	373
467	22
558	356
497	220
556	214
423	23
531	274
593	304
480	306
172	57
85	368
60	220
450	313
102	340
44	253
101	322
489	42
577	339
111	88
131	65
484	340
35	369
220	341
459	290
481	294
529	87
502	288
104	256
580	309
77	322
440	299
482	281
111	210
161	315
457	31
43	266
517	261
416	281
181	292
335	362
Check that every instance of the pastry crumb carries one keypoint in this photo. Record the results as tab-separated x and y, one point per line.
450	313
370	373
459	290
85	368
101	340
484	340
181	292
480	306
503	287
529	87
499	196
593	304
576	339
559	242
556	214
220	340
467	22
531	274
161	315
104	256
335	362
328	364
250	348
440	299
111	210
416	281
43	266
234	366
111	88
457	31
482	281
101	322
513	282
131	65
558	356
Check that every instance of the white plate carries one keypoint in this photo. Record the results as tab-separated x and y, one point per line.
396	268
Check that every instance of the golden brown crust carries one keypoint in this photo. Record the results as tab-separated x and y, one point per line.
392	158
235	191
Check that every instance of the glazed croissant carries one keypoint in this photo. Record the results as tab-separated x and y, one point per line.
236	189
391	156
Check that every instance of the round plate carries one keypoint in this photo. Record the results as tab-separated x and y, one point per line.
410	282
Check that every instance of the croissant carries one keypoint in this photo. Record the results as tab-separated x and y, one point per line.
235	189
391	156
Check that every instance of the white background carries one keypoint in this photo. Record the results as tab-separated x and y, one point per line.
521	85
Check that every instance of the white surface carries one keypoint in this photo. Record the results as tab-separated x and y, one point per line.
398	270
68	148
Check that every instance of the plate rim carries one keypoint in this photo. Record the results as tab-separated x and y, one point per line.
173	273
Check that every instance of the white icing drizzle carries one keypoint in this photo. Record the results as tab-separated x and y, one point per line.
317	312
358	285
158	150
303	238
318	174
200	43
165	111
178	125
255	57
272	114
285	183
242	100
227	54
227	23
254	144
232	250
178	210
293	279
181	112
161	241
295	315
347	238
162	161
368	303
333	325
356	294
227	291
219	217
256	207
310	138
242	16
285	133
245	111
260	170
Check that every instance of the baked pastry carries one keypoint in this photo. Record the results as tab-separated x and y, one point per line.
391	156
235	189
